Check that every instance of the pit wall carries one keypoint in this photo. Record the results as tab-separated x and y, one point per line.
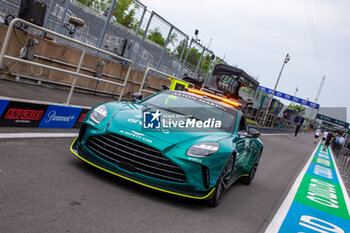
40	115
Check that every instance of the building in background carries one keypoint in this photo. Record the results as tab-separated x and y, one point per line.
329	118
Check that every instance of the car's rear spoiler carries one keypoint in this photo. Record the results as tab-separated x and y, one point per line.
229	79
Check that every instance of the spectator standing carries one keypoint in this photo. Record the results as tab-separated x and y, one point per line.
297	127
328	141
317	135
336	144
325	133
341	140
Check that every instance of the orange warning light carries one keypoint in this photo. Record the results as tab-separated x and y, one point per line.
222	99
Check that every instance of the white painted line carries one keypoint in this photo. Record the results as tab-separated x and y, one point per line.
63	135
37	135
42	102
281	214
277	134
345	192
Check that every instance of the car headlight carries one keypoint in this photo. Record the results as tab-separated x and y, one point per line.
98	114
203	149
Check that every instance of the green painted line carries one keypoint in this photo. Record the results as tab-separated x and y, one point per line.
318	200
323	195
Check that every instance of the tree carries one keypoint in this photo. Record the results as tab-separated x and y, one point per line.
156	36
88	3
178	50
298	108
205	63
194	56
128	20
123	14
98	5
122	11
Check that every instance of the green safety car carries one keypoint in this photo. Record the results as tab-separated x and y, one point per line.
188	143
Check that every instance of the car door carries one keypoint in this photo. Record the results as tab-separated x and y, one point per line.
244	147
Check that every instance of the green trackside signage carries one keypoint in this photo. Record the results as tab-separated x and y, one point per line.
320	203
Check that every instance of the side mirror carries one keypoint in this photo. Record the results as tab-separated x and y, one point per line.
255	133
136	97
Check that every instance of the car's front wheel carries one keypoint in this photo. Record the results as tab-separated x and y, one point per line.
222	183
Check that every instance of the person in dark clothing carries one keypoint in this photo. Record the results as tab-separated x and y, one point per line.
297	129
329	139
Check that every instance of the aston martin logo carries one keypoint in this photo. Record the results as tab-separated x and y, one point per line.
137	133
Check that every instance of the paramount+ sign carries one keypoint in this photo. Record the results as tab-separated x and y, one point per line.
22	114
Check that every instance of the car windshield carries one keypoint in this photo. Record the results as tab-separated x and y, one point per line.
194	106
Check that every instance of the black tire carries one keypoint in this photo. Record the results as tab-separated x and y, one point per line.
222	183
248	179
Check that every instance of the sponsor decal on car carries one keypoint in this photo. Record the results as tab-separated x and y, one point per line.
135	134
200	99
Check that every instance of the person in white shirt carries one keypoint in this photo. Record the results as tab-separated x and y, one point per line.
317	135
325	133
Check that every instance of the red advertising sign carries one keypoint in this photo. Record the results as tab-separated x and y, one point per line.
23	114
20	114
83	114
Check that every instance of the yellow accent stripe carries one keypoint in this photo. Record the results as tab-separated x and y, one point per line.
137	182
248	120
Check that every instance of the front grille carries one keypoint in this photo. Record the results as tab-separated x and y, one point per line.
135	156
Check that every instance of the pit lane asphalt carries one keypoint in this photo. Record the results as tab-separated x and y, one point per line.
45	188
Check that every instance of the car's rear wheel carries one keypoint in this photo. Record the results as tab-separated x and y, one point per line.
222	183
249	178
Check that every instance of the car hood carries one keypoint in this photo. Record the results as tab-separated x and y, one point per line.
128	121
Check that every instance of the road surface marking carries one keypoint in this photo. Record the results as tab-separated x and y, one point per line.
317	200
37	135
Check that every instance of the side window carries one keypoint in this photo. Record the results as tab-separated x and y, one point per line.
242	124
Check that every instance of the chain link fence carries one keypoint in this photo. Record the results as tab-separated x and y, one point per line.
148	39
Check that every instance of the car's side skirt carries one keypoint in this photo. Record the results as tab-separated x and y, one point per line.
235	179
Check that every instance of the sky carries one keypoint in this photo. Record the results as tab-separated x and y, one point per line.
256	35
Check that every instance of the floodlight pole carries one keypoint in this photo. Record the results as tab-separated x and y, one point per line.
274	90
296	90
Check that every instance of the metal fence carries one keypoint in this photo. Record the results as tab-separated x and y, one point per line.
77	73
342	155
272	122
133	43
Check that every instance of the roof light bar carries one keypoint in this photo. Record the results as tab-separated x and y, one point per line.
222	99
